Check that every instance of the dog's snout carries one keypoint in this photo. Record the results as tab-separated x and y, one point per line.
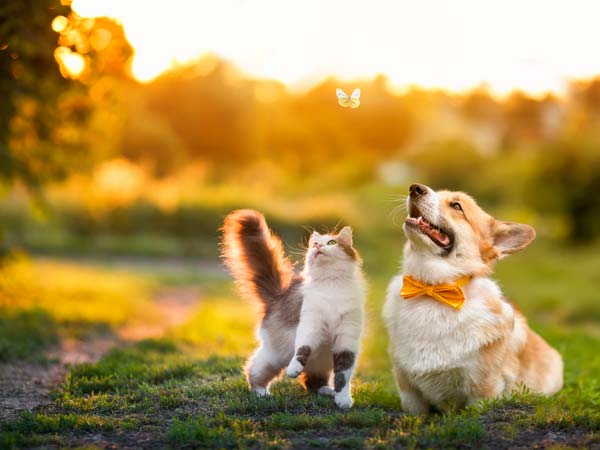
417	190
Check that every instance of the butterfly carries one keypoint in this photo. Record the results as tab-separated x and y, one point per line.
353	101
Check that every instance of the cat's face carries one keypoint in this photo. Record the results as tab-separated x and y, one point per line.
327	249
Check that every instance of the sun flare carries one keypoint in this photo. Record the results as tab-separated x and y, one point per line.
534	46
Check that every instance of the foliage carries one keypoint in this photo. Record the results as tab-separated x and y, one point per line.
35	140
72	109
570	174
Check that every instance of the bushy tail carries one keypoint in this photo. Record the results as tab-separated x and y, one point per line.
255	257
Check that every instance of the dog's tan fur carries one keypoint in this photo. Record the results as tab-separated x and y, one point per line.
500	350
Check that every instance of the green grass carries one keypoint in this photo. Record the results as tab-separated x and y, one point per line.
25	334
72	293
43	301
185	401
187	390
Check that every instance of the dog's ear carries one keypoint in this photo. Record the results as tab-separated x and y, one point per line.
345	237
510	237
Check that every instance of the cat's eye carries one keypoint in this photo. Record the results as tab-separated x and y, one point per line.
332	242
456	206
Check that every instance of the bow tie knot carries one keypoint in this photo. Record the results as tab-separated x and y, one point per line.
450	294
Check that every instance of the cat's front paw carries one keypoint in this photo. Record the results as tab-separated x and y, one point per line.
343	400
294	369
261	391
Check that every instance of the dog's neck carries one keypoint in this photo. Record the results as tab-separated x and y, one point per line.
434	270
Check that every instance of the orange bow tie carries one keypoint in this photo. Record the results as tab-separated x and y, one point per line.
449	293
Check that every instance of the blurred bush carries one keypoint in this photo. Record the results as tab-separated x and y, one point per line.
567	182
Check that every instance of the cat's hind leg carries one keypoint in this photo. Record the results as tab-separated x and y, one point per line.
263	367
317	373
317	383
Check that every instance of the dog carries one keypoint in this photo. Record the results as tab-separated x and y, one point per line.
454	338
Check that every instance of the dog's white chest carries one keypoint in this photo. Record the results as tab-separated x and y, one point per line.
429	336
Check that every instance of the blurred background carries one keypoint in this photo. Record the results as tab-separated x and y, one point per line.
129	129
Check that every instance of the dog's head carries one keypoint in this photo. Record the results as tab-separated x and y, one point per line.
451	232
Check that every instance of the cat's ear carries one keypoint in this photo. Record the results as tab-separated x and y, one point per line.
315	234
345	237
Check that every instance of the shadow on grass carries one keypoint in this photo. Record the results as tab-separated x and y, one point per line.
28	334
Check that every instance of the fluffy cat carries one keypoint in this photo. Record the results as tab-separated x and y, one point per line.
312	321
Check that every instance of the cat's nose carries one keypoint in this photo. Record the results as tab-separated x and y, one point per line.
318	245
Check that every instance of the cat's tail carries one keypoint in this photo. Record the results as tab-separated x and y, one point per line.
256	258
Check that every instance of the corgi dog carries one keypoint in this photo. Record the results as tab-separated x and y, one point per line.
454	338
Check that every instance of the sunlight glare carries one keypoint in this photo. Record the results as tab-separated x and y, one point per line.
59	23
71	64
535	46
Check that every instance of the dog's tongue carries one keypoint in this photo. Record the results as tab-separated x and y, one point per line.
432	232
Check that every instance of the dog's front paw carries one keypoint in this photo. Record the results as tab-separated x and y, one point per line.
413	404
294	369
343	400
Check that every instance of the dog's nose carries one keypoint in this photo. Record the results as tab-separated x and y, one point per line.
417	190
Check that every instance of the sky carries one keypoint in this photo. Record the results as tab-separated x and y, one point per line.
532	45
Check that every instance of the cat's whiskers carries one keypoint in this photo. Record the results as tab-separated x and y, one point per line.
299	251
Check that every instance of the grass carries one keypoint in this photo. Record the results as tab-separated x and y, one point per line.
66	299
187	390
71	292
24	334
43	301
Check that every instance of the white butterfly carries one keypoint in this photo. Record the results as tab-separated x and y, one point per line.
353	101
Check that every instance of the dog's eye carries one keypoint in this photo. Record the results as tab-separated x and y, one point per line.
456	206
332	242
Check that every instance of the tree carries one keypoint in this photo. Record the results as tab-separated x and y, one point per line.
33	92
46	82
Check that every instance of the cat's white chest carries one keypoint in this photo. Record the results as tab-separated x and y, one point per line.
332	302
330	299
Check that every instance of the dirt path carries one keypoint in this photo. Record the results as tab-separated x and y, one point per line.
174	306
24	386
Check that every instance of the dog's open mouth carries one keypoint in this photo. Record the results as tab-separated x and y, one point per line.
440	237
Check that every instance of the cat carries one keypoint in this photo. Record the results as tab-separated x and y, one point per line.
311	321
